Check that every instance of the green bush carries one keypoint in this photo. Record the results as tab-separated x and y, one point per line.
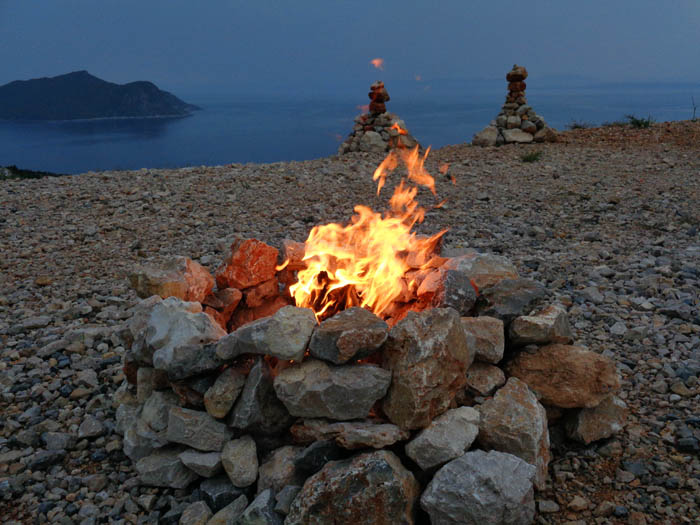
533	156
639	123
578	124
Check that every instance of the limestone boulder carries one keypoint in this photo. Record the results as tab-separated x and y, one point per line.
513	421
600	422
163	468
240	460
372	489
179	277
349	434
566	376
428	354
316	389
284	335
489	337
549	325
352	334
257	409
486	137
482	269
517	135
484	378
196	429
510	298
220	397
481	488
448	437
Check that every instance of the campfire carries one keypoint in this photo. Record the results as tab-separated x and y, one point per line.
376	261
351	370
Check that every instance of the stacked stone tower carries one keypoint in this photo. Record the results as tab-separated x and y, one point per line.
377	131
517	121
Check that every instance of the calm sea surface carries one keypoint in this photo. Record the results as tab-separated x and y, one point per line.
267	130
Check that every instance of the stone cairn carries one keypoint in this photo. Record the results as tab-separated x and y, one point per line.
377	131
276	418
517	122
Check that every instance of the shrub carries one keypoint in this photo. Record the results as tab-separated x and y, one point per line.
578	124
533	156
639	123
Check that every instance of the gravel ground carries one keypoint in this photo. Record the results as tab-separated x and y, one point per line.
608	219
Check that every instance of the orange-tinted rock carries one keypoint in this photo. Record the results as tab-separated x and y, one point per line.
180	277
517	74
591	424
251	262
517	86
257	295
229	297
244	315
293	251
566	376
216	316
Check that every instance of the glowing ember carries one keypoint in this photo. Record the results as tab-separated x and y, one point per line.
376	261
378	63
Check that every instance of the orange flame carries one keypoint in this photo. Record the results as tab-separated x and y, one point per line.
378	63
367	262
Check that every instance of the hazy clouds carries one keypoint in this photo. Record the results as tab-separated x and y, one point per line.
324	47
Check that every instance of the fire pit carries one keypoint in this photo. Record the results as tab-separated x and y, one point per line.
357	370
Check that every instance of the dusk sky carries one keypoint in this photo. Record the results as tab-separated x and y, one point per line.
324	47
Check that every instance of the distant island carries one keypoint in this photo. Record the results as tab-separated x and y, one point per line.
80	95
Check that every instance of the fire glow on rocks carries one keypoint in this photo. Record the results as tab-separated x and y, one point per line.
376	261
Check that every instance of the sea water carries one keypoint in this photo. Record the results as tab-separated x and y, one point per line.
232	129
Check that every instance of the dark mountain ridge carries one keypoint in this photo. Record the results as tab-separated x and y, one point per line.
80	95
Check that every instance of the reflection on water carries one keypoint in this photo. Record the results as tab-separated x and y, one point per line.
238	131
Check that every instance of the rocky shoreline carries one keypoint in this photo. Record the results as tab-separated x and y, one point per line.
607	219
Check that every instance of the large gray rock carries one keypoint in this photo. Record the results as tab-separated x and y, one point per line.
206	464
483	269
510	298
549	325
258	409
279	470
174	324
489	337
156	409
240	460
284	335
449	436
481	488
349	434
220	397
191	360
373	488
197	430
591	424
513	421
428	354
516	135
140	440
316	389
261	511
163	468
354	333
486	137
372	141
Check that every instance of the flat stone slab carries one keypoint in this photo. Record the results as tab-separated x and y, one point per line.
284	335
349	434
315	389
